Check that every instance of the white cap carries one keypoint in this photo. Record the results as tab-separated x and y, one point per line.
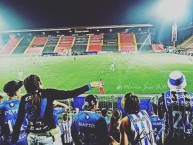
176	80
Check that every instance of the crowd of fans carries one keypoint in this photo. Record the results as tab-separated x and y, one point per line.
37	118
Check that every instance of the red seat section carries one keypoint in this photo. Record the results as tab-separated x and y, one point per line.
37	45
158	47
127	42
65	43
39	41
95	43
34	50
10	46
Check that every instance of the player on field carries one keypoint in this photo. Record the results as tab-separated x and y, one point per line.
176	106
136	127
20	75
112	66
101	87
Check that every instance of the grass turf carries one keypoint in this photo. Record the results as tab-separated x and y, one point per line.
137	73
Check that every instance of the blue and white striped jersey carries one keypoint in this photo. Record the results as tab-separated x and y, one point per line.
66	131
177	108
141	129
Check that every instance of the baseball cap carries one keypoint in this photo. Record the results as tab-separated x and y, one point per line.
176	80
90	101
12	86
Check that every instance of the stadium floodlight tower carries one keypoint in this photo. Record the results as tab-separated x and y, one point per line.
173	10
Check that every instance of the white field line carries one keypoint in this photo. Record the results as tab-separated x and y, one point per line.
161	70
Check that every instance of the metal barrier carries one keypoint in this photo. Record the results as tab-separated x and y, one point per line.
107	101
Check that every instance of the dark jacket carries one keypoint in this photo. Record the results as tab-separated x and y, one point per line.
44	121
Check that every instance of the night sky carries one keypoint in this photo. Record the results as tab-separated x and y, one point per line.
32	14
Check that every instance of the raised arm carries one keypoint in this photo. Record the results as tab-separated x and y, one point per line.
122	129
61	94
57	103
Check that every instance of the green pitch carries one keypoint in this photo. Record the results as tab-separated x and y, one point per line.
137	73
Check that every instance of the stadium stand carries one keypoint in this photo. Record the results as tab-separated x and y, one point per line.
65	43
51	44
3	41
37	45
127	42
158	47
95	43
110	42
143	40
79	40
188	43
10	45
39	41
25	42
80	43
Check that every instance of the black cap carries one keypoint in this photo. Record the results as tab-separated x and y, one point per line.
90	101
1	97
11	87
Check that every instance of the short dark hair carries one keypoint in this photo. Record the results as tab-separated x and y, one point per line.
89	102
131	103
104	112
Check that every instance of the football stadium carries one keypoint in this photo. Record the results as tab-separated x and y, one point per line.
123	58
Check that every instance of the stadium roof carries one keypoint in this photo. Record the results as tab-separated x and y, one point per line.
79	27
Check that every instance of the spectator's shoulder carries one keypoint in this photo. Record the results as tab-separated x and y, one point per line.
76	115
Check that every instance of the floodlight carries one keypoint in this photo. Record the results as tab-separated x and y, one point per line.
172	9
